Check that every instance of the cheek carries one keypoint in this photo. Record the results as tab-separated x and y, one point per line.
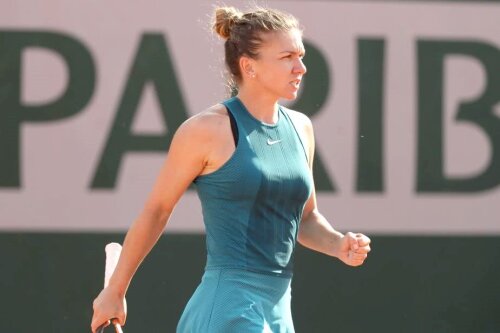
274	81
278	72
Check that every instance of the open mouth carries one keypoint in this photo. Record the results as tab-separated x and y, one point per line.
295	83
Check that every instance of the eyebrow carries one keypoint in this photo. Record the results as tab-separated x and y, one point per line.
294	52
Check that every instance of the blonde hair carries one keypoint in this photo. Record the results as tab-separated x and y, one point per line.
242	32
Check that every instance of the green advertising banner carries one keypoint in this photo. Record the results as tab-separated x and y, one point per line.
404	98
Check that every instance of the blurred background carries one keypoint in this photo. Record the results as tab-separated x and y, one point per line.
405	100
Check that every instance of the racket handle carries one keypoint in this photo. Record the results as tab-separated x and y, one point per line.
113	251
118	328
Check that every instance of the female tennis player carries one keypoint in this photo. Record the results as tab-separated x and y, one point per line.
251	161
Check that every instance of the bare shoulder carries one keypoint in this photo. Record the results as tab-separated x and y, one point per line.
216	112
206	123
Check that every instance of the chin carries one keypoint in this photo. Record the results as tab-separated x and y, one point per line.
286	94
290	96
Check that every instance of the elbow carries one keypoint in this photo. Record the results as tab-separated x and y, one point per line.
302	234
309	216
157	213
300	238
306	227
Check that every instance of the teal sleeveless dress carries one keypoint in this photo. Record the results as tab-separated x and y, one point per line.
252	206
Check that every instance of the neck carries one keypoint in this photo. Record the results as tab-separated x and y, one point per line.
262	106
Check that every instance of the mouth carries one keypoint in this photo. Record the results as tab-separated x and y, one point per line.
295	83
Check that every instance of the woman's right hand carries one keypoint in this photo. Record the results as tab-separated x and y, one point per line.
109	304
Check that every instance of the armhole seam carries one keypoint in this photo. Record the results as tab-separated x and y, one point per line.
234	126
297	132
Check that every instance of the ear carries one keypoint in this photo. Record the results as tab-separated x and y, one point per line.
247	67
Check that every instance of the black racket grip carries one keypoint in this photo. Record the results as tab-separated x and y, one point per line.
101	328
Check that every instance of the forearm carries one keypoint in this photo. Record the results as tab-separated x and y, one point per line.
317	234
140	239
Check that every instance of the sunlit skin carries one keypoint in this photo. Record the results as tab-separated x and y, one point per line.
275	74
278	68
203	143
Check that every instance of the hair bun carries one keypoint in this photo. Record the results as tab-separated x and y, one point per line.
225	19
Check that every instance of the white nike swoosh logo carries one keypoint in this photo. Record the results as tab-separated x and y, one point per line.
269	142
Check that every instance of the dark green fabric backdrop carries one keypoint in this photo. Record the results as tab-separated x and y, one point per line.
409	284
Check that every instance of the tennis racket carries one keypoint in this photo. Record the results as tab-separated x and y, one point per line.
113	251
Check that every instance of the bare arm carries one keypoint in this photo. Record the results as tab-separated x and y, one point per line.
184	162
188	156
315	231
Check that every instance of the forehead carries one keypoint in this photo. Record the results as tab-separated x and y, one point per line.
281	41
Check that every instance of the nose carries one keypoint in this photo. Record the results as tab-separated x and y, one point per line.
300	67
